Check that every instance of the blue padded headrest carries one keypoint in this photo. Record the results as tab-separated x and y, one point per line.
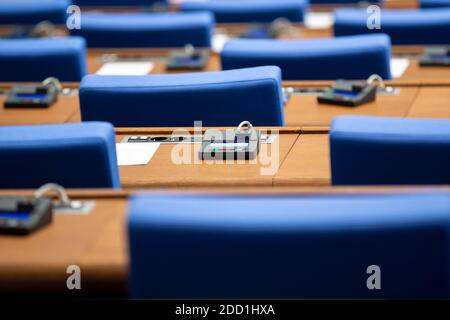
434	3
170	100
37	59
118	3
355	57
275	246
427	26
33	11
250	11
376	151
116	30
81	155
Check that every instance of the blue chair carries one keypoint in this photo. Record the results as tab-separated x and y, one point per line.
81	155
251	10
170	100
385	151
33	11
355	57
37	59
118	3
282	247
434	3
116	30
349	2
410	27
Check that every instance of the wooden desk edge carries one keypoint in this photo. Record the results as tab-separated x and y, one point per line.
154	130
300	190
286	83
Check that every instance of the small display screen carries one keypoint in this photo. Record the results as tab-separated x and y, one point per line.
260	33
345	93
191	60
14	215
228	146
29	96
440	57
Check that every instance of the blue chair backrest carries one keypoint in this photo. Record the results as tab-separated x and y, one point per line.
434	3
223	98
31	12
37	59
353	2
119	3
412	27
354	57
115	30
272	246
250	11
383	151
81	155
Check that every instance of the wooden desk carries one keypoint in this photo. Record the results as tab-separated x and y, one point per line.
60	112
95	242
306	111
431	102
414	73
300	110
162	172
401	4
308	163
427	75
97	57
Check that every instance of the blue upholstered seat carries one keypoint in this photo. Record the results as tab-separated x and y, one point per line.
146	29
377	151
217	98
250	10
426	26
33	11
316	246
354	57
118	3
434	3
37	59
79	155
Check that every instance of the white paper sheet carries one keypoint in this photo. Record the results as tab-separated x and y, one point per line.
134	154
126	68
319	20
399	66
218	41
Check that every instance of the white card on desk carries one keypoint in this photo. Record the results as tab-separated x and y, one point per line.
134	154
399	66
218	41
126	68
319	20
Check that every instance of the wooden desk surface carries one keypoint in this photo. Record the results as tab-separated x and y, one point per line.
306	111
60	112
414	73
431	102
97	57
162	172
300	111
308	163
95	242
427	75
